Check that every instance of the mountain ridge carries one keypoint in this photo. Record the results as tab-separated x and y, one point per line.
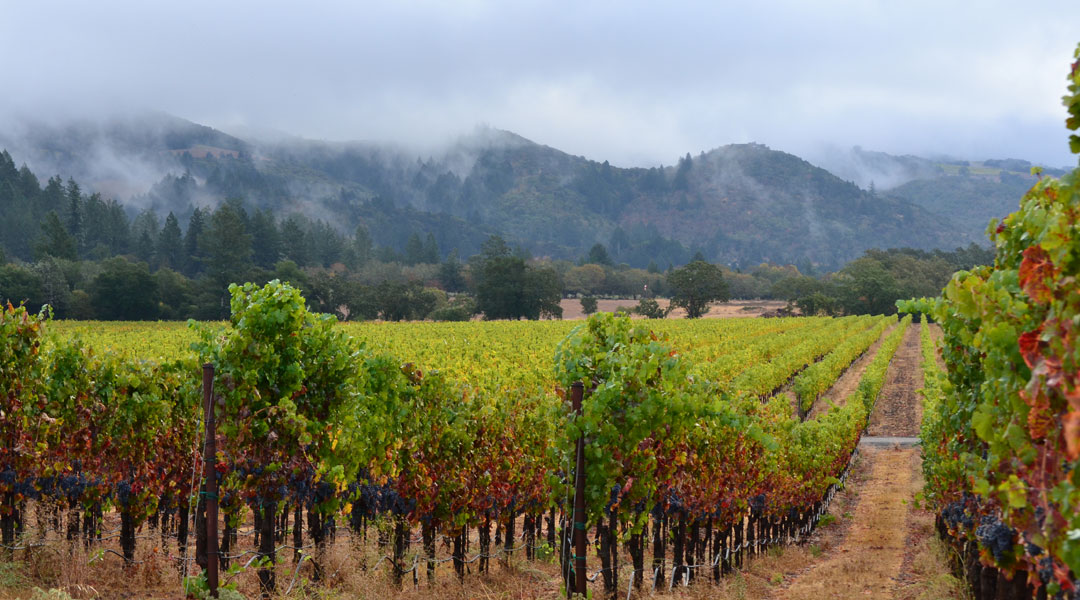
740	204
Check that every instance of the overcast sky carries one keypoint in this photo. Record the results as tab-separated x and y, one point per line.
632	82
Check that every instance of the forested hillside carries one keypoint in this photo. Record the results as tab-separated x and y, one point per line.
739	205
967	193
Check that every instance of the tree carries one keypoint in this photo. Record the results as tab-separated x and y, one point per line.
289	273
265	239
793	287
21	285
170	244
431	250
294	241
124	291
55	240
867	287
499	291
144	246
588	304
695	285
362	245
414	250
196	225
400	301
146	230
175	292
817	303
327	244
226	245
587	279
598	255
542	294
75	213
450	273
508	288
54	284
650	309
494	247
620	242
682	173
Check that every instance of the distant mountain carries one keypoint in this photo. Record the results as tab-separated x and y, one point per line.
739	204
968	193
969	201
118	157
866	168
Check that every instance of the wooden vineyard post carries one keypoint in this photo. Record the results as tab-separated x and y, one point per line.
209	471
578	560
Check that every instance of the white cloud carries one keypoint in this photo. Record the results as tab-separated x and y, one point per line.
632	82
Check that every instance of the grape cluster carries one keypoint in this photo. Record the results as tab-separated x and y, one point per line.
22	487
616	491
757	503
123	492
957	516
1046	569
73	486
996	537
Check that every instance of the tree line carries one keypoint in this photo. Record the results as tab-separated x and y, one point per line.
88	257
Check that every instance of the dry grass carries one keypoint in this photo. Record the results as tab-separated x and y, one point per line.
926	574
350	572
898	411
724	310
868	561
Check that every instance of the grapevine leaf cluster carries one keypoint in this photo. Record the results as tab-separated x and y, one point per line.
1001	434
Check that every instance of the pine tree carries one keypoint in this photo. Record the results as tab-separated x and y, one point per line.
75	215
294	241
414	250
265	239
55	240
226	246
431	250
196	225
362	245
170	244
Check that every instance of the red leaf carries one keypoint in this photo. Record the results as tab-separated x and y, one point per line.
1035	269
1071	430
1030	346
1040	417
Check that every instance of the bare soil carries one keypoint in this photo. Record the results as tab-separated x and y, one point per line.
868	561
898	411
725	310
764	576
848	382
890	550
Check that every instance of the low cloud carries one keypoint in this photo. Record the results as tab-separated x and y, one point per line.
635	83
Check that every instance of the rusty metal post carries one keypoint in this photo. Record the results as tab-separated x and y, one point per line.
210	473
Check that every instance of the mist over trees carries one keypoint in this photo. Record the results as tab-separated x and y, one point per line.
739	205
89	257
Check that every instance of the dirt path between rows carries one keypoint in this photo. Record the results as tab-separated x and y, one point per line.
898	411
888	550
868	561
848	381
